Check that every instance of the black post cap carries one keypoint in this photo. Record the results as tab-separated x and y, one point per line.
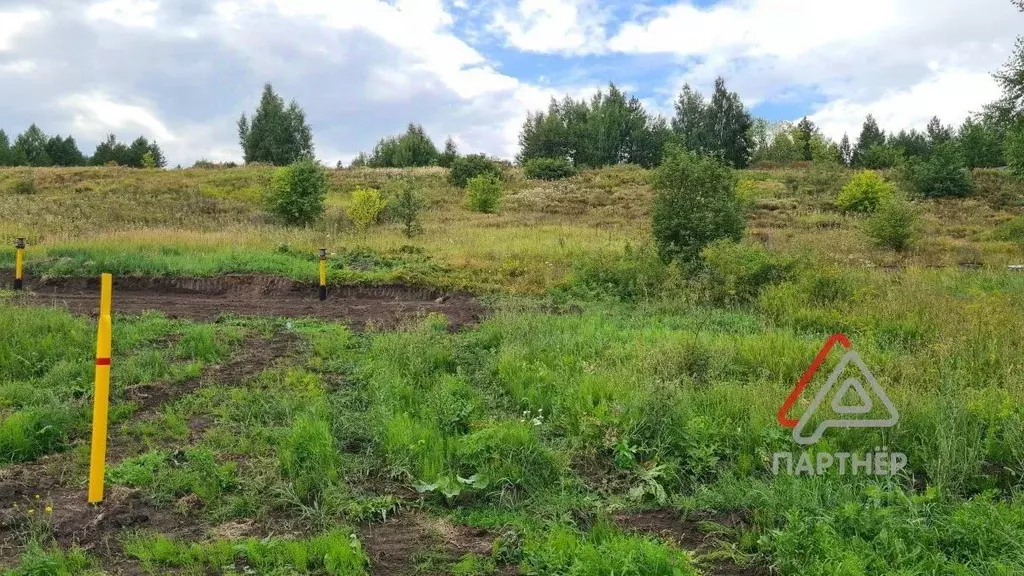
19	243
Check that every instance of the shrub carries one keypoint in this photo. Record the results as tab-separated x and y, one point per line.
1015	149
635	275
864	192
944	174
297	193
25	186
508	453
695	203
365	208
548	169
895	224
405	206
738	271
484	193
468	167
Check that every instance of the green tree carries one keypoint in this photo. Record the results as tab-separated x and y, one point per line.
451	152
64	152
910	144
484	193
1015	148
845	150
695	203
275	134
938	133
611	128
360	161
411	149
544	135
297	192
982	143
470	166
110	150
721	127
944	174
806	130
870	136
6	157
690	121
30	146
895	224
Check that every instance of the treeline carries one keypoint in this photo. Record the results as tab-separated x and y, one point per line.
614	128
34	148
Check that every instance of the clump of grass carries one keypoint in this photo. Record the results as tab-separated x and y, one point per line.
604	550
334	553
308	458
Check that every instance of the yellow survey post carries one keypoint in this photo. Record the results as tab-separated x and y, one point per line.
101	396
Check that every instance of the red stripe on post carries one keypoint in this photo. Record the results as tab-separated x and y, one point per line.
103	361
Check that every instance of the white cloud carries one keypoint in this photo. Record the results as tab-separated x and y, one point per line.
13	23
760	28
18	67
129	13
560	26
950	94
97	114
898	56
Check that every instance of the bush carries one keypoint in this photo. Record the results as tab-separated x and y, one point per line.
1015	149
695	203
864	192
466	168
548	169
508	453
944	174
297	193
738	271
405	206
635	275
365	208
26	186
895	224
484	193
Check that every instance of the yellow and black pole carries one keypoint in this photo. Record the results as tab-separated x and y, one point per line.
101	395
323	274
19	262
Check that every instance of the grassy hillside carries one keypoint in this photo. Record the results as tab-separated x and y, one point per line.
206	222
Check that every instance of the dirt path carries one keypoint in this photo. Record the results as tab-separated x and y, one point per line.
382	307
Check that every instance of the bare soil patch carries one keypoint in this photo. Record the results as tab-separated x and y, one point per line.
381	307
395	546
690	533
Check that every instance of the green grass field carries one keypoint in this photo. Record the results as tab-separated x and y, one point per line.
610	416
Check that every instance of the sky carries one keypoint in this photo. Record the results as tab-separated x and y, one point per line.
181	72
